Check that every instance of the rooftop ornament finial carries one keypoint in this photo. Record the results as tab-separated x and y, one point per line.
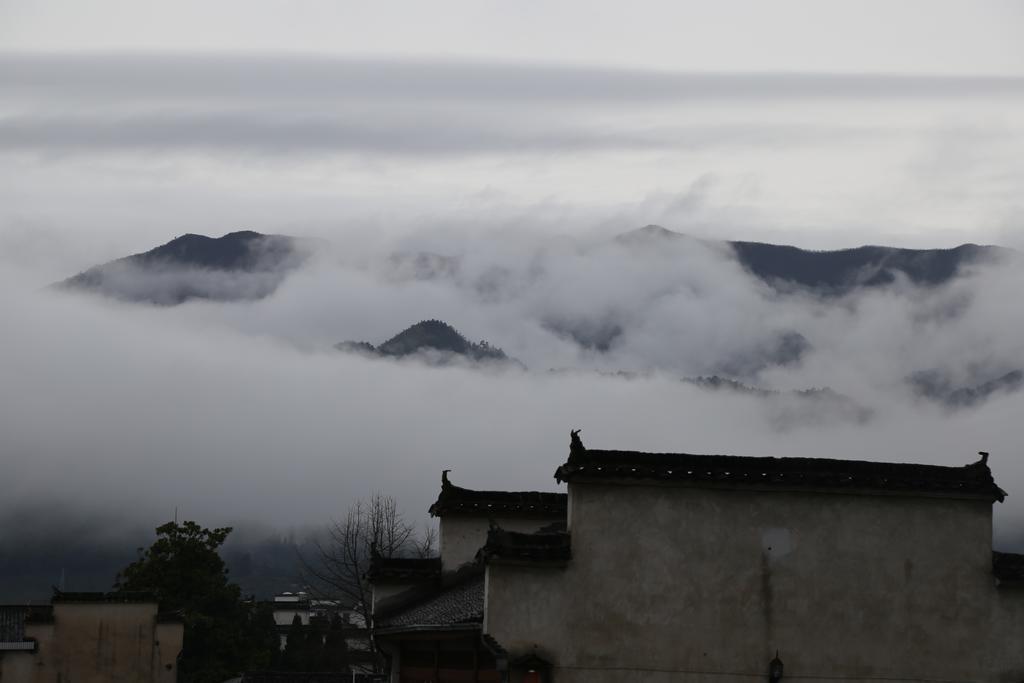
984	457
576	447
444	479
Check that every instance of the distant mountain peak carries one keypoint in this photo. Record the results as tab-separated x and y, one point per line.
239	265
647	234
426	334
429	337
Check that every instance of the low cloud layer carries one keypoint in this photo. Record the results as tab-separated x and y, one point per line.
243	411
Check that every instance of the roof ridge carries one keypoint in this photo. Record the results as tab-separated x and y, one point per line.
971	479
459	500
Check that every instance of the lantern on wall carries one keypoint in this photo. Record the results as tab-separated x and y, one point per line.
775	669
535	668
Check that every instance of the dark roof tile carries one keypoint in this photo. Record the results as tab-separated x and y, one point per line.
403	569
295	677
974	480
455	500
12	623
114	596
1008	568
462	603
540	547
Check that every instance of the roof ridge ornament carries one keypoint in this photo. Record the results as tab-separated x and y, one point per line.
576	447
984	458
445	483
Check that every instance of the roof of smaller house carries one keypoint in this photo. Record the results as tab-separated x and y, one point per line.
114	596
403	569
973	480
12	623
14	617
538	547
1008	568
455	500
458	604
295	677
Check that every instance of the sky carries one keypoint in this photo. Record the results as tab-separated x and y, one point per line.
821	124
518	138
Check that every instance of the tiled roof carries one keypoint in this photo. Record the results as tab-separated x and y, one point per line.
12	623
14	617
295	677
1008	568
114	596
455	500
403	569
974	480
541	547
462	603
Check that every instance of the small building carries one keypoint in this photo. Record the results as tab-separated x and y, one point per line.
708	568
90	638
286	606
429	613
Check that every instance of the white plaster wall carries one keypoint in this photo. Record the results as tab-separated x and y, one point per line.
689	584
461	537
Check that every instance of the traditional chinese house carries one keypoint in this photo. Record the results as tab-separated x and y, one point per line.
707	568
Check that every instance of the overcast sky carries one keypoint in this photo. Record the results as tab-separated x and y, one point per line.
517	135
123	123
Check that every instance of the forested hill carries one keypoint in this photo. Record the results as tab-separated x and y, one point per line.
429	337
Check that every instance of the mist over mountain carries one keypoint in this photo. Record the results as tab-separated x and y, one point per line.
254	264
237	266
230	392
646	280
940	387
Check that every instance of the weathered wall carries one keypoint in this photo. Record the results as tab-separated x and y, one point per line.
16	666
170	638
690	584
100	642
461	537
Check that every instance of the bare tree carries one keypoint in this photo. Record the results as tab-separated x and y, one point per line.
342	559
426	545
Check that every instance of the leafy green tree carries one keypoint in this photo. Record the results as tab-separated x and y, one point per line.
187	575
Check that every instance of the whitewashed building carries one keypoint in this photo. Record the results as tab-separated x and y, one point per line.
712	569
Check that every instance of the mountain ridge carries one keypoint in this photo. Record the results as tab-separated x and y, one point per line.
836	272
262	262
